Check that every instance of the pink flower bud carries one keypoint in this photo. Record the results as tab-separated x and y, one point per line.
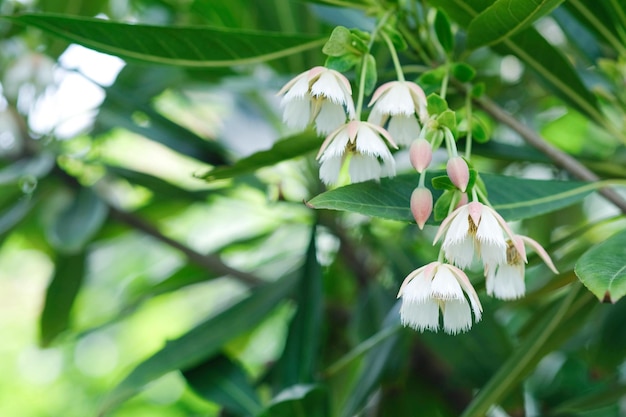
421	205
458	171
420	154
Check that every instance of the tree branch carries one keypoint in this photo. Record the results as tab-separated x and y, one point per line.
557	156
210	262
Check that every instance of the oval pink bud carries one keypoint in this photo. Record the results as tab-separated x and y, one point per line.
420	154
421	205
458	171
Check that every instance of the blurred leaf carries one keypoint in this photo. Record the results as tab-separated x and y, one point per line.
463	72
282	150
371	75
603	268
504	18
131	96
14	214
514	198
611	350
80	7
436	104
591	401
76	224
298	400
380	347
529	46
69	272
161	189
298	361
444	31
35	167
224	382
203	341
522	360
179	46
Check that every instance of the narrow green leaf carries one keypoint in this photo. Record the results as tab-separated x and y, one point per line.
298	361
224	382
299	400
162	190
35	167
202	341
282	150
504	18
72	228
14	214
591	402
444	31
69	271
192	46
603	268
514	198
529	46
523	358
379	347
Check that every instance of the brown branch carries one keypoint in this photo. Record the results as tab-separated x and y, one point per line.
557	156
210	262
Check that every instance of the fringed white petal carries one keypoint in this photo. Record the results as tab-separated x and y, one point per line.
330	168
297	113
364	168
403	129
445	285
330	117
420	316
457	316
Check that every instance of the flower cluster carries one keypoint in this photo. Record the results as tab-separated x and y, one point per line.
439	293
323	97
473	231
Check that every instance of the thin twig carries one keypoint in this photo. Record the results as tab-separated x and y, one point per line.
209	262
557	156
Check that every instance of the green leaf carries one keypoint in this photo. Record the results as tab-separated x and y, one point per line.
77	222
14	214
447	119
342	63
224	382
514	198
463	72
162	190
380	347
298	361
299	400
203	341
35	167
442	182
442	205
444	31
186	46
282	150
504	18
603	268
63	288
529	46
339	42
436	104
523	359
593	401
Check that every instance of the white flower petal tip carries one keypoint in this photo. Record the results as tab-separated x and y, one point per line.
473	229
458	171
420	154
400	103
421	205
325	98
439	289
363	145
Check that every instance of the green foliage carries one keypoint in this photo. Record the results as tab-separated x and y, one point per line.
602	268
181	256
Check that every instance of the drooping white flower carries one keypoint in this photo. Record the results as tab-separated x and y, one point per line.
438	287
506	280
319	95
364	144
474	229
396	104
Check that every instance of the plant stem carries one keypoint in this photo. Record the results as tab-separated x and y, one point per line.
394	57
468	138
557	156
210	262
